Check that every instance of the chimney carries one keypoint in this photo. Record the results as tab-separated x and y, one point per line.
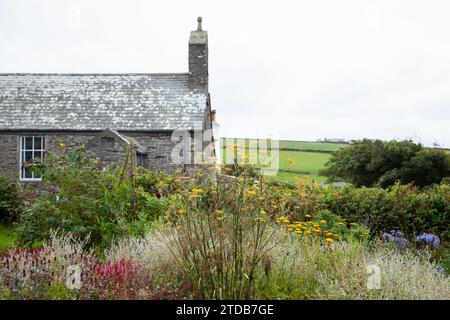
198	57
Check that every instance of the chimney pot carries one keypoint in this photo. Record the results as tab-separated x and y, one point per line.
199	26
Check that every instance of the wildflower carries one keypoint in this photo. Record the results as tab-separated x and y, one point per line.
308	232
62	145
262	212
429	239
441	271
53	189
220	211
307	216
322	222
329	241
397	238
196	191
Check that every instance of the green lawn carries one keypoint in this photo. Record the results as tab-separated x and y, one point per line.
7	237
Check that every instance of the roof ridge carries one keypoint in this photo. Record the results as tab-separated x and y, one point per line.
95	74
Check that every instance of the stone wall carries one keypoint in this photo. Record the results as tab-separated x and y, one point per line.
9	155
157	145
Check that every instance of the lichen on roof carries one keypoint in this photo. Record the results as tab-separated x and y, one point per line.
124	102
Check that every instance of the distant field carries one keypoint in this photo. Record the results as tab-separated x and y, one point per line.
308	145
299	159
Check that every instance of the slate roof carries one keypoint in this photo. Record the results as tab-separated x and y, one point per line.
124	102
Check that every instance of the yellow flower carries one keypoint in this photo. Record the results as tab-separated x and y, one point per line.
219	218
307	216
322	221
62	145
219	211
308	232
329	240
196	191
262	212
260	219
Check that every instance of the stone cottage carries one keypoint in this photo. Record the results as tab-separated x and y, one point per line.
105	113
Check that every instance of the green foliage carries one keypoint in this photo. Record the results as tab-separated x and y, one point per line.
9	200
370	162
85	199
220	234
400	207
7	237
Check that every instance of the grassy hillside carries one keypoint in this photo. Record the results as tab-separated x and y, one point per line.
299	159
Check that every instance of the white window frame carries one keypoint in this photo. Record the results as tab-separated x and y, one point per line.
23	149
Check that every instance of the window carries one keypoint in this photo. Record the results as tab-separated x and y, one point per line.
140	159
31	147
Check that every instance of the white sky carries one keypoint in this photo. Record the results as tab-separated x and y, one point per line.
299	70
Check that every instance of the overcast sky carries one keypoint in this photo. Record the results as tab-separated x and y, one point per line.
300	70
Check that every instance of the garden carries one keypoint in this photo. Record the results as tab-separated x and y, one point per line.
123	232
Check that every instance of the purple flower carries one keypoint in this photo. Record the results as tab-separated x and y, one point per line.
429	239
396	237
53	189
441	271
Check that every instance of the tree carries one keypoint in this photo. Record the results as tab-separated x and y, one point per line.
368	162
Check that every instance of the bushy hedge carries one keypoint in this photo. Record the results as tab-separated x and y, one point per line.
401	207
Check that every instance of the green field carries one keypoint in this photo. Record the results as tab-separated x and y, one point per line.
308	145
298	159
7	237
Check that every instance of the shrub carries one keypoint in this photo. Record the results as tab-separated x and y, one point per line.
221	234
401	207
85	199
370	162
9	200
